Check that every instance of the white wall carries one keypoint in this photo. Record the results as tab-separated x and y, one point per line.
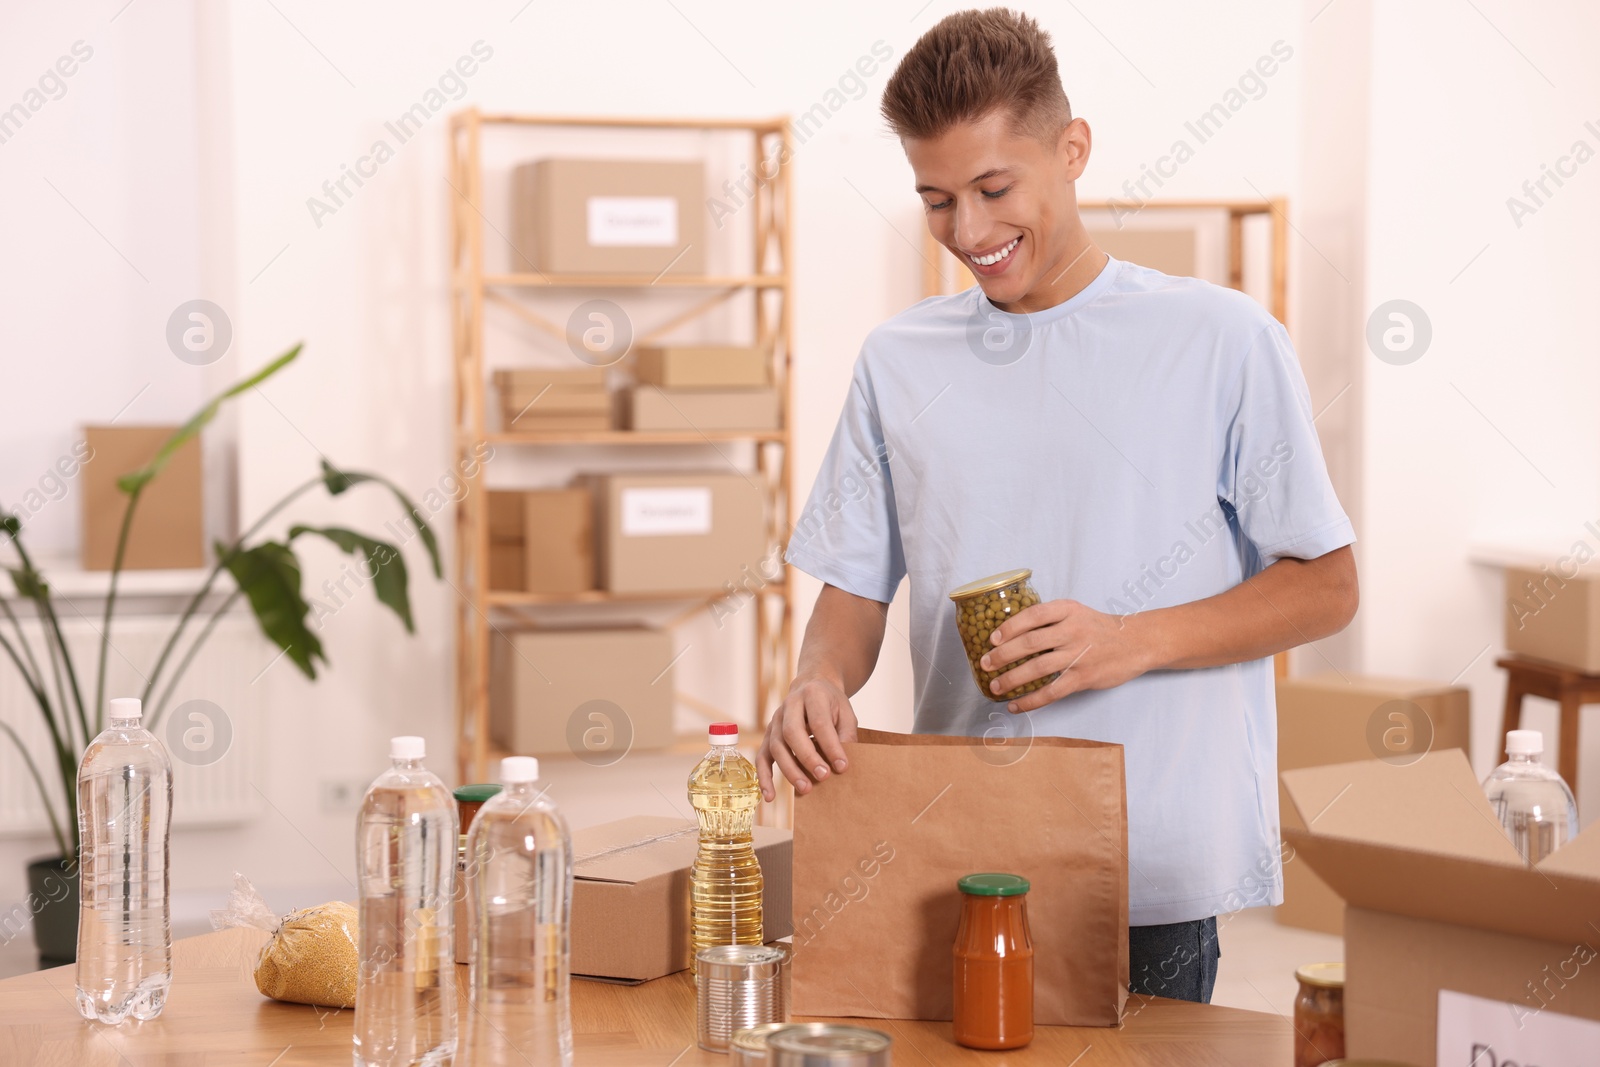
1489	436
269	102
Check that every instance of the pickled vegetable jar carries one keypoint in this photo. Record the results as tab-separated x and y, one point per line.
983	605
993	957
1319	1014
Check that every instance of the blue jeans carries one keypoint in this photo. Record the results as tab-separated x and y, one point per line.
1177	960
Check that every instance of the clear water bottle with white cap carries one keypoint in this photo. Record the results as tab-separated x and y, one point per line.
406	840
124	913
519	904
1534	805
725	882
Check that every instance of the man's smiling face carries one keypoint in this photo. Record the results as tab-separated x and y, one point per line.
1004	203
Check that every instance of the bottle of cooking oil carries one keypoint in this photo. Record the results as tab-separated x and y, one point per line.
725	882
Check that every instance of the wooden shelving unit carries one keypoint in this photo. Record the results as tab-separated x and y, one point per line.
767	284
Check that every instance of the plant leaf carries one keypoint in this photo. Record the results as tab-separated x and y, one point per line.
10	523
131	483
269	576
30	585
386	565
338	481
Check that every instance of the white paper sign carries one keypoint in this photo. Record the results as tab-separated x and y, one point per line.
1477	1032
663	512
633	221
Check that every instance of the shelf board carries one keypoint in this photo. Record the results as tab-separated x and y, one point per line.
633	437
639	281
642	122
507	598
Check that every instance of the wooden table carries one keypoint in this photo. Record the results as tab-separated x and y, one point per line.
215	1016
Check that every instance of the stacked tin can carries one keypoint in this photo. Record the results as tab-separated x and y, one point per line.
738	987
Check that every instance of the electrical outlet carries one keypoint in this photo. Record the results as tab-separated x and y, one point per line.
342	796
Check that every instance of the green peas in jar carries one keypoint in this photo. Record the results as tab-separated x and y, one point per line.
981	607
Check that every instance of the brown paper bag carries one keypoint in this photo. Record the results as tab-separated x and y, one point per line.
878	850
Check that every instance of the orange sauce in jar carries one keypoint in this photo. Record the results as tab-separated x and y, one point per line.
993	963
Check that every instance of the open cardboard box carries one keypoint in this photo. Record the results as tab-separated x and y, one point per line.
1439	899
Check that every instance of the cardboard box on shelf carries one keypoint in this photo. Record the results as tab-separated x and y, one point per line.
630	894
566	399
608	216
1170	251
595	693
654	408
701	366
167	531
1555	619
542	540
1440	900
1337	718
668	532
506	573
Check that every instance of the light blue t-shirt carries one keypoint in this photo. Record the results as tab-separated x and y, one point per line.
1147	443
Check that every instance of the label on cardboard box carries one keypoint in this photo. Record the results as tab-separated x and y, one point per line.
1494	1033
633	221
666	511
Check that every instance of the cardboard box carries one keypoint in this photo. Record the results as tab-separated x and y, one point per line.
168	527
542	540
1554	619
568	399
678	532
608	216
630	894
1168	251
1333	718
655	408
1439	899
701	366
559	538
506	571
594	693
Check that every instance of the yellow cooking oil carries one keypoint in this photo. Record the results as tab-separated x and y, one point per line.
725	881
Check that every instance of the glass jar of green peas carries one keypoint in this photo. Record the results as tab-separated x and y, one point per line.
981	606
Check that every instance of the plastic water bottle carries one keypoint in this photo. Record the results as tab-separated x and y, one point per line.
1533	803
124	912
725	881
406	843
519	903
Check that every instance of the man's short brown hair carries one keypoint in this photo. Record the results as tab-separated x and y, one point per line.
971	64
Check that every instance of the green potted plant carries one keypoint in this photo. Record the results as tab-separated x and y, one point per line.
265	572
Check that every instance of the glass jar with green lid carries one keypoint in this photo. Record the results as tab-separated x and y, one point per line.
993	963
981	607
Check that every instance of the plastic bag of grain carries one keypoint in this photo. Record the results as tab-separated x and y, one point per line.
312	955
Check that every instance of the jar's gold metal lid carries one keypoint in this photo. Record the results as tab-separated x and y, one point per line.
1322	975
994	581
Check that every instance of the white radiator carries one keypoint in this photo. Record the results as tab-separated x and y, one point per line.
204	794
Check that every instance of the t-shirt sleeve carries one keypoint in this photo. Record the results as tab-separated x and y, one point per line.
1272	474
848	533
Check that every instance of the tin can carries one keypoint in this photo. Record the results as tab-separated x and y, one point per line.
828	1045
748	1047
738	987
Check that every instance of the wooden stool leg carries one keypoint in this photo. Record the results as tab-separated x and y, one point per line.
1513	713
1571	708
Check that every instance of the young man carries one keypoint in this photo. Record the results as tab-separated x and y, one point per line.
1144	443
